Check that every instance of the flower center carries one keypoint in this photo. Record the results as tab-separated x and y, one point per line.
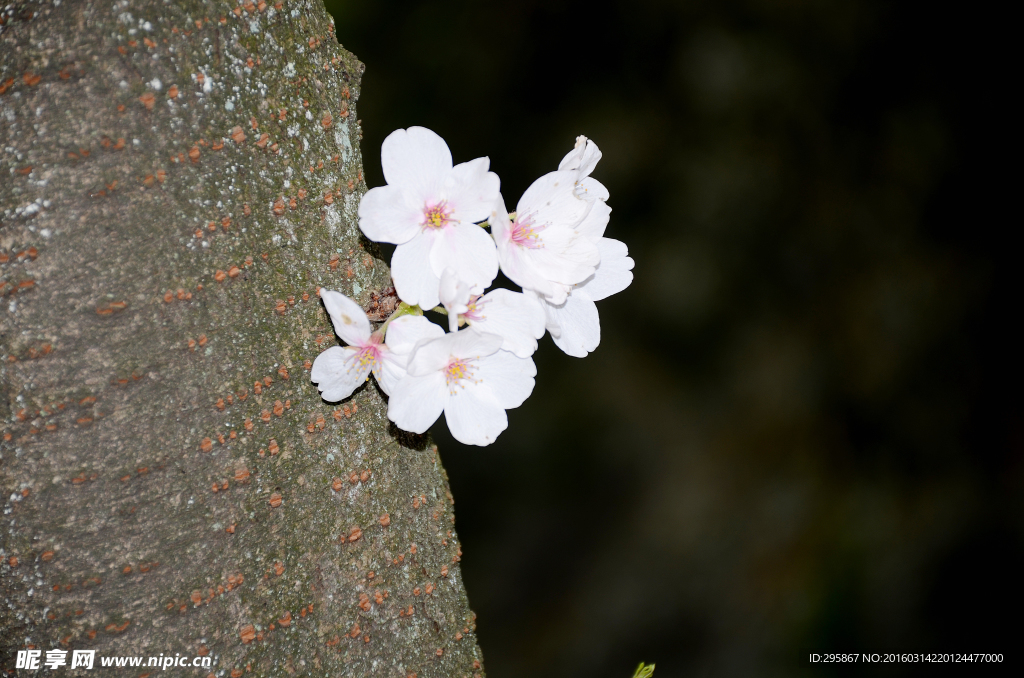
458	370
437	216
368	355
474	309
526	234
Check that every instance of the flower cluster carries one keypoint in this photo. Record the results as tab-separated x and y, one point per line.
438	214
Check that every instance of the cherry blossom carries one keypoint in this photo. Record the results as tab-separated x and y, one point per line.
574	324
543	248
467	376
518	319
339	370
430	209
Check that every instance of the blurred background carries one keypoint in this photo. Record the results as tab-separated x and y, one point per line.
801	431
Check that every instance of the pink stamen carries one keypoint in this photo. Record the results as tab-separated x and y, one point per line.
525	234
437	215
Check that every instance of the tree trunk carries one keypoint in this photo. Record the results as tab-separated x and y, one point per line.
177	181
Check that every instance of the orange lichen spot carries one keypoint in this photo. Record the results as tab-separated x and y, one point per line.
241	475
263	140
114	628
272	447
327	121
364	476
219	404
47	556
191	344
279	206
285	620
333	262
13	561
225	223
237	134
248	424
172	92
148	100
230	529
278	408
275	499
354	534
429	589
220	276
257	388
202	340
248	634
197	598
416	502
283	371
337	484
161	176
206	445
84	421
149	43
353	477
220	438
412	549
31	79
444	571
364	602
307	365
168	297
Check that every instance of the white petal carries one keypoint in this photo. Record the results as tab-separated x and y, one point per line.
550	309
613	275
412	272
390	370
403	333
350	321
454	293
471	190
417	402
550	200
579	324
337	372
596	221
572	159
389	214
474	416
432	355
417	160
516	318
590	189
468	249
567	256
582	158
509	378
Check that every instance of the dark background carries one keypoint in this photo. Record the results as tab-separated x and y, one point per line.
801	432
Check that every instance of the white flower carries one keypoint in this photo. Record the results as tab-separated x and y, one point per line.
582	160
339	370
544	249
574	324
429	209
515	317
467	376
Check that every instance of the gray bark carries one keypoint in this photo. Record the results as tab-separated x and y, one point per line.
177	180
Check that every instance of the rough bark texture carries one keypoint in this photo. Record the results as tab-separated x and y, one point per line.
177	180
